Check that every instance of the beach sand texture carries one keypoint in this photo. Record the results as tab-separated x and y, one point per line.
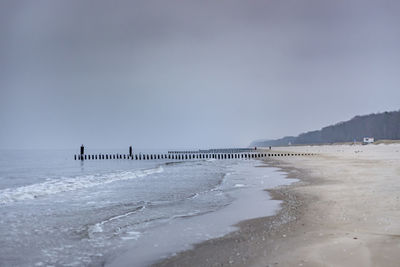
345	211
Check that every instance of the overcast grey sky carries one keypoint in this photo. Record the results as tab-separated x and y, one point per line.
176	74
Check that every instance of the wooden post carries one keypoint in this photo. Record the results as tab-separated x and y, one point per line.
82	150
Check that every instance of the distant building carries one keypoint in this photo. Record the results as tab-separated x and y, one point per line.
368	140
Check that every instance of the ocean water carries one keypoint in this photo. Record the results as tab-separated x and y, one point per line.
61	212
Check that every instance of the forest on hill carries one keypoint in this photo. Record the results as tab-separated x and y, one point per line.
384	125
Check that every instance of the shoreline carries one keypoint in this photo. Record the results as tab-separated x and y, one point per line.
244	187
231	249
344	211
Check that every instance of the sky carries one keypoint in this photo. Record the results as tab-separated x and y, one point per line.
191	74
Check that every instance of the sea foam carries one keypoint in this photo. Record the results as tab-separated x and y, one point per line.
55	186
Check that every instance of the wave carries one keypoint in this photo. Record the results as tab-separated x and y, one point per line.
55	186
98	227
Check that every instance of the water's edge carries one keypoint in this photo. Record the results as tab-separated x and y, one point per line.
205	227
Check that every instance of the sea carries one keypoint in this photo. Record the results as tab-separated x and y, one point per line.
57	211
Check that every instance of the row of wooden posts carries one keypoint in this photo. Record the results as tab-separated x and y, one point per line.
187	156
214	151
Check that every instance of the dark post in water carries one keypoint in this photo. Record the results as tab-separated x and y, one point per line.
130	151
82	151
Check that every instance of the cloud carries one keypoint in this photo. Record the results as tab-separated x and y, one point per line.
190	73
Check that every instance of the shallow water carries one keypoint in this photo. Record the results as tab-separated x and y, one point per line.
57	211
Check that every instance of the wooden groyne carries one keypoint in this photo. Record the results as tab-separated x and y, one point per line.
219	154
214	151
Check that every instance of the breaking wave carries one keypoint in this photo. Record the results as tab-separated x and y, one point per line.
56	186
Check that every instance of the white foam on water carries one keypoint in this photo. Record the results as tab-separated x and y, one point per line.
239	185
55	186
131	235
98	227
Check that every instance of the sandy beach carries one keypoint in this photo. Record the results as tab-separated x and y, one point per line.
345	211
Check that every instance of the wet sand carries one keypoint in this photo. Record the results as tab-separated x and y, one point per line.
345	211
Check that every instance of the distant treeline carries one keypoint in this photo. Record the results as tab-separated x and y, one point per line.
384	125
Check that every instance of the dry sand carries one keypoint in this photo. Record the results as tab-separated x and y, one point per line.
345	211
